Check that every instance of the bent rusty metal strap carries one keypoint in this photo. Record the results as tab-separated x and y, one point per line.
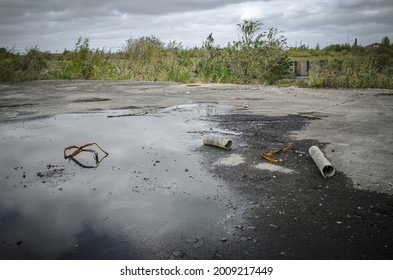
83	149
267	156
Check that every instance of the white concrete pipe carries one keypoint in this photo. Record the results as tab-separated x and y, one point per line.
324	165
218	141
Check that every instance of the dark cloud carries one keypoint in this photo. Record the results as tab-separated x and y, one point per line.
136	7
363	4
57	24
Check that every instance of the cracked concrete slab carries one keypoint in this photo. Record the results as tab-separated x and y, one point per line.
356	124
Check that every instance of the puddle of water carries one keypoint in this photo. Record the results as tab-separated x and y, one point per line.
146	199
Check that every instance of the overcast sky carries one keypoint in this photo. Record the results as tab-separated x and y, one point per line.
57	24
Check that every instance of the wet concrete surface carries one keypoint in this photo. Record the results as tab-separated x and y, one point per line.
295	213
162	194
152	197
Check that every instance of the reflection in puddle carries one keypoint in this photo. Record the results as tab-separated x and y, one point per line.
152	196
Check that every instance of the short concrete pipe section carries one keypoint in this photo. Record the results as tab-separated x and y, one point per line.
218	141
324	165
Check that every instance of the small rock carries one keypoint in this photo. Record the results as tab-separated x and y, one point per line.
224	239
186	170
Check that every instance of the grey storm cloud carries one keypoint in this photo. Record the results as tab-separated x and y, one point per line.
146	7
57	24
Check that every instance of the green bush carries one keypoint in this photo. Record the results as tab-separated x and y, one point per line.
256	57
213	63
10	65
260	56
351	72
31	66
35	64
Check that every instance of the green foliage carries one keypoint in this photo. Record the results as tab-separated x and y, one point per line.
10	65
212	63
338	48
386	42
31	66
257	56
76	64
260	56
34	64
352	72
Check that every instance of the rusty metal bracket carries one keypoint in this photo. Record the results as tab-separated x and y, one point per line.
83	149
267	156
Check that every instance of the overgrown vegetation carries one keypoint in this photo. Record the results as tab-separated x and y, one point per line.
355	67
256	57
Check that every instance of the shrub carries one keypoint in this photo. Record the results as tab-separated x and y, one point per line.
10	65
213	63
35	64
259	55
76	64
351	72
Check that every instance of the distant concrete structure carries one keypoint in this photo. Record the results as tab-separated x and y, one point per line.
373	46
303	67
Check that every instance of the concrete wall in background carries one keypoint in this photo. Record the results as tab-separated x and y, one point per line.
303	67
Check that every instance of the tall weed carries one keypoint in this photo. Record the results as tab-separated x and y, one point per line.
10	65
351	72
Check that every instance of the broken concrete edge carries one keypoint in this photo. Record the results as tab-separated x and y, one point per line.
324	165
218	141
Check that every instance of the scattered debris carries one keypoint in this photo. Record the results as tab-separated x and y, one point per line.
83	149
324	165
218	141
267	156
